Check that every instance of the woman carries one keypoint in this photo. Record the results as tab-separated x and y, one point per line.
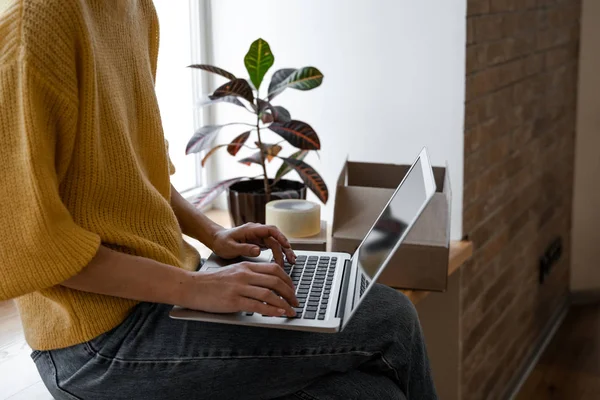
92	243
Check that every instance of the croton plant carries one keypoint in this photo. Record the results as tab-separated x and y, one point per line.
246	94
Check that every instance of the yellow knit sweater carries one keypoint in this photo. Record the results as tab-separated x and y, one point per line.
83	160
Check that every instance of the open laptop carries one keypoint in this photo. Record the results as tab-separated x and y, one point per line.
331	286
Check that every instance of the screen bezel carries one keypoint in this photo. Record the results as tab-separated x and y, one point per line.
430	189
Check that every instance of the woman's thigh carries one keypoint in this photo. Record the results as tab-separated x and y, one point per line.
152	356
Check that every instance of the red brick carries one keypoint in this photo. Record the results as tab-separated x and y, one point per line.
534	64
499	51
488	27
475	7
475	58
558	56
503	5
470	31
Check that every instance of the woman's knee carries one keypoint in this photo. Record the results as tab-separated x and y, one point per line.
397	306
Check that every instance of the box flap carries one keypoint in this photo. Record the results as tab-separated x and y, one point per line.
375	175
356	209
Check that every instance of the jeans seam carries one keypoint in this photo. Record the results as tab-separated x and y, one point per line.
55	373
301	394
390	366
198	359
35	354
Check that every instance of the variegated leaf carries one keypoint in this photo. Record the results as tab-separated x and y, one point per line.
208	194
310	177
298	134
280	113
237	143
305	78
253	159
214	70
278	78
258	60
226	99
270	150
235	87
285	168
202	138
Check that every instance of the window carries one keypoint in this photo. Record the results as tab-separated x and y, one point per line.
177	88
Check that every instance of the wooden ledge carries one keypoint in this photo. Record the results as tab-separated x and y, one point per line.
460	252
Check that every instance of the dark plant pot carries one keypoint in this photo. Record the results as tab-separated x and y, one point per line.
247	199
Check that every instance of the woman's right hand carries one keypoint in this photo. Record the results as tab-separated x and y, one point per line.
246	286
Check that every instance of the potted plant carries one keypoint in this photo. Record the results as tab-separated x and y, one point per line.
249	194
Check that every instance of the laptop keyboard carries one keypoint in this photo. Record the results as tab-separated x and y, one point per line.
312	277
363	284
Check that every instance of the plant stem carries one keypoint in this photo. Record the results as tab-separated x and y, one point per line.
262	156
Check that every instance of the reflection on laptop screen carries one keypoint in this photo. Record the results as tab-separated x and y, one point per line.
391	225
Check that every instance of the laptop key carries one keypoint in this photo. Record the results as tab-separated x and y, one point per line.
310	315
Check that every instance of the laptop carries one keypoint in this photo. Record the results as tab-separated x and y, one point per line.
331	286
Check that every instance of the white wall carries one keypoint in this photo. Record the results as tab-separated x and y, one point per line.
394	78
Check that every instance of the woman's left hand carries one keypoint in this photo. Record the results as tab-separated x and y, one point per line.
248	239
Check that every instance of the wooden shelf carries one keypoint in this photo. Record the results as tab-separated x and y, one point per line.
460	252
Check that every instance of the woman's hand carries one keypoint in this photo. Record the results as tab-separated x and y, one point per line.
246	286
247	240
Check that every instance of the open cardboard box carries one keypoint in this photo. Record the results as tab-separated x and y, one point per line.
363	189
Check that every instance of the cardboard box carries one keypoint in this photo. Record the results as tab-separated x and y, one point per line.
363	189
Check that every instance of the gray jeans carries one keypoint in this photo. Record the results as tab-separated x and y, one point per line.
380	355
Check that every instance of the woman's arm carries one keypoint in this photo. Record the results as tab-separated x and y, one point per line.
137	278
242	287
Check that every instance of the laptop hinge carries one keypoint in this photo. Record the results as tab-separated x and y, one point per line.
341	305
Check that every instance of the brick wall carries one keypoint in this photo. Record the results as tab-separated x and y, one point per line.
519	145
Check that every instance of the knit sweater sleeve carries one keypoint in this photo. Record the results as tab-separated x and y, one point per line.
40	244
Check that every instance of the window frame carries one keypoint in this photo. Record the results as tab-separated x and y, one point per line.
201	53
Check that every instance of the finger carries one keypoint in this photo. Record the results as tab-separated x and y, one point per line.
282	286
264	231
274	283
267	296
272	269
275	249
246	249
290	255
283	242
280	237
251	305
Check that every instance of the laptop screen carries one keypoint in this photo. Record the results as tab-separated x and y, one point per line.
393	224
